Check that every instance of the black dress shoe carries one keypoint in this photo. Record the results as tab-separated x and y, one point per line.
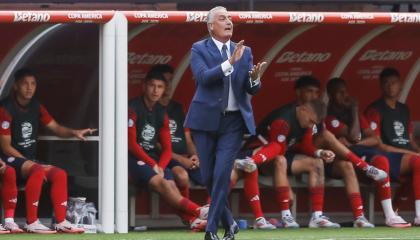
230	234
211	236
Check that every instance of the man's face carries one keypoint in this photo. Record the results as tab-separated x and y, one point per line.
306	116
391	87
221	28
154	89
307	94
341	96
25	88
168	91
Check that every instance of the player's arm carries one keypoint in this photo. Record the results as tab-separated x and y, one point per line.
413	141
6	135
307	146
165	142
374	118
61	130
370	138
133	147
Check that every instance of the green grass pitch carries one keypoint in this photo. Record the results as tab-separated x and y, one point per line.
379	233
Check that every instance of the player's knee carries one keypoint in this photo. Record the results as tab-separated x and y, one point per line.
57	174
415	163
280	163
182	178
9	173
316	165
381	162
347	169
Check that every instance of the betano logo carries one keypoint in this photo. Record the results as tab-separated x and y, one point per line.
31	17
304	57
405	18
148	59
196	17
306	17
386	55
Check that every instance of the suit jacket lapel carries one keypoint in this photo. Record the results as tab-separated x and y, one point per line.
213	50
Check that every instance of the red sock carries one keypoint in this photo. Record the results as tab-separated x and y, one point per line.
58	179
356	204
317	198
189	207
415	166
282	197
383	189
252	192
9	192
33	190
267	153
358	162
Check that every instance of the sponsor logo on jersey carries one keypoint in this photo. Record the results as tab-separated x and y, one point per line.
26	130
303	57
140	163
148	58
306	17
148	132
196	17
31	17
399	128
385	55
11	159
5	124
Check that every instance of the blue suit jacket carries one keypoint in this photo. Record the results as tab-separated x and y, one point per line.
206	106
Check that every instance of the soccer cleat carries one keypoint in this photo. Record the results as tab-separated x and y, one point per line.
38	227
198	225
376	174
397	222
13	227
417	221
66	227
262	223
204	212
246	164
322	222
3	230
289	222
362	222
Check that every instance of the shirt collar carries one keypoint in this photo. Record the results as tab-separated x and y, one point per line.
219	44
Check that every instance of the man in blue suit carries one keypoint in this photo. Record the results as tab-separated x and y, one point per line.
221	112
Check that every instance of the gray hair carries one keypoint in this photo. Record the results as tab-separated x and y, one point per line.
211	13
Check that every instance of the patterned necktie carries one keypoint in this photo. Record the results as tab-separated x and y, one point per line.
226	81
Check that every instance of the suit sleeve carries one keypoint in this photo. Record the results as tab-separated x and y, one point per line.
133	147
251	87
202	73
165	141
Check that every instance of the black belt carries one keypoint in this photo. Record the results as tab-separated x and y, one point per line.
226	113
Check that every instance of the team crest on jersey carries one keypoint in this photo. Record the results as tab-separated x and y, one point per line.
148	132
172	126
281	138
373	125
130	122
335	123
26	130
5	124
399	128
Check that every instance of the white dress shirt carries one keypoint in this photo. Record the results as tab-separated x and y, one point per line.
227	69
